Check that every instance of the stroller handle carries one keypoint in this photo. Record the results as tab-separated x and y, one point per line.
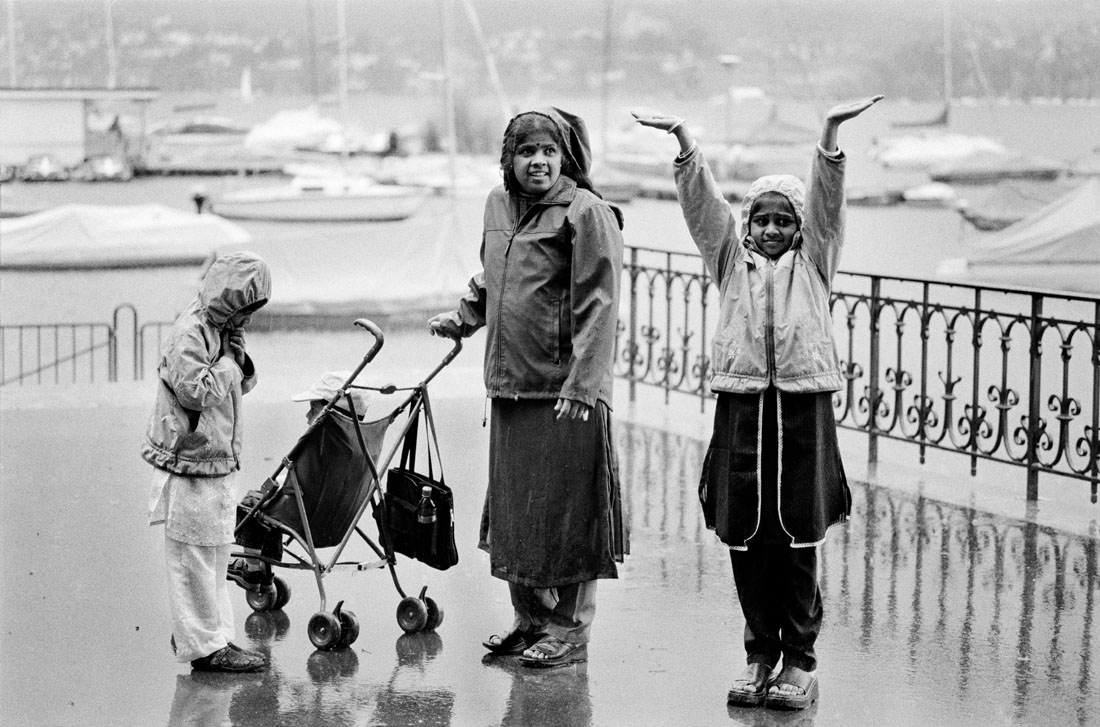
373	329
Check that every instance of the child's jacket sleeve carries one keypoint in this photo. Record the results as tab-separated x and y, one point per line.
199	379
823	223
710	220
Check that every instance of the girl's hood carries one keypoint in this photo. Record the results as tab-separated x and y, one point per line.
787	185
233	282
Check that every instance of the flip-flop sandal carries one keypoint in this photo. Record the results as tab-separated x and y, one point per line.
797	678
757	677
512	643
551	652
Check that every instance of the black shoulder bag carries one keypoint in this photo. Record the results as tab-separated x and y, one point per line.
431	543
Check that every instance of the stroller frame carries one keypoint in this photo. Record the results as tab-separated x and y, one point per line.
340	628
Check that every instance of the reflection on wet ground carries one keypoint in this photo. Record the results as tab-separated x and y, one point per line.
934	614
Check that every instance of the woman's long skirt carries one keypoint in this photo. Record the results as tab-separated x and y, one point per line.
553	510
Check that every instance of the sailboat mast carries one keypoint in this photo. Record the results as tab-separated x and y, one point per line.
342	72
948	73
447	10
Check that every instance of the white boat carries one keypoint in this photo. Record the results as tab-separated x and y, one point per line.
323	199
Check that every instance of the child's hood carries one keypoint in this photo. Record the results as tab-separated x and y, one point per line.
232	282
787	185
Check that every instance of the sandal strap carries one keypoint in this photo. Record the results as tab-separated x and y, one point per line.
794	677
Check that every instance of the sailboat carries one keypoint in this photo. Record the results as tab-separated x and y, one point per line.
335	196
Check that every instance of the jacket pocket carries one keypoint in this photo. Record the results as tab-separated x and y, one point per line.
556	329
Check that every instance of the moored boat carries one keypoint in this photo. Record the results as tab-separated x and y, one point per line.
342	199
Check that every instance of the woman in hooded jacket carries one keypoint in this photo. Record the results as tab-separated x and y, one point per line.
773	481
548	297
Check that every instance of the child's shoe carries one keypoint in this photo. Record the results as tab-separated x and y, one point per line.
228	659
246	577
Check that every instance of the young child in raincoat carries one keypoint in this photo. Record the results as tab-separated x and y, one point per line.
773	481
194	442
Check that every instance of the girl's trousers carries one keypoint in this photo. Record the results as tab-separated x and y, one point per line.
781	601
198	597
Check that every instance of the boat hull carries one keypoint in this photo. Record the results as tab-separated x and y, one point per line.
380	204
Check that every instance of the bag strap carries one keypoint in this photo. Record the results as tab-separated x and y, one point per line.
408	450
432	437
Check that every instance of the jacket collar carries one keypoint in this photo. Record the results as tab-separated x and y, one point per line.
759	259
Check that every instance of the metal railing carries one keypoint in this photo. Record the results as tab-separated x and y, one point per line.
44	353
993	373
908	576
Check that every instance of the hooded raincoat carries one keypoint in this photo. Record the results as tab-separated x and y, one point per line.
195	429
548	297
773	468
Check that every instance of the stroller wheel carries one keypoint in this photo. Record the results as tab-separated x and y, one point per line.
263	598
282	593
435	614
349	628
412	615
324	630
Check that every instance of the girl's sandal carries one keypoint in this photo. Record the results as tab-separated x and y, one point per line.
551	652
751	688
803	695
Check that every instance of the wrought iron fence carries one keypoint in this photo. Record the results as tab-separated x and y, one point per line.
41	353
992	373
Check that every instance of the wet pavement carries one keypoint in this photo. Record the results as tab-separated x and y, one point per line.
936	613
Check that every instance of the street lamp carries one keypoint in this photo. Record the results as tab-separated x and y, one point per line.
729	62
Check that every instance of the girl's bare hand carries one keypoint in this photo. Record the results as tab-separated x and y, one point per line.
845	111
570	409
656	119
236	346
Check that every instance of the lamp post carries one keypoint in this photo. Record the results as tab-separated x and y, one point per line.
729	62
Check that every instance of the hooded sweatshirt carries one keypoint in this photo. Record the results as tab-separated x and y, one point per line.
548	293
195	429
774	326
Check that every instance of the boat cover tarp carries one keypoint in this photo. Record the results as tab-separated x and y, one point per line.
1009	202
76	236
1067	231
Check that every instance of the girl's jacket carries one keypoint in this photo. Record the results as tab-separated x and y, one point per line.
195	429
548	295
774	323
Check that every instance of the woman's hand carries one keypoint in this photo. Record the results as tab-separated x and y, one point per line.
841	113
571	409
443	325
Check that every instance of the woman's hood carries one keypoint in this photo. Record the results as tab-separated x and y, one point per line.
787	185
575	135
233	282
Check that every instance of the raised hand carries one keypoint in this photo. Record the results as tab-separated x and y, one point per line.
843	112
656	119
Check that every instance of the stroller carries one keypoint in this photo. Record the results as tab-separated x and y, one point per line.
328	480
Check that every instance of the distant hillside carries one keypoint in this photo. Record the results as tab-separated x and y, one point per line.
794	48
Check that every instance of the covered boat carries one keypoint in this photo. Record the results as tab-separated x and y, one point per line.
1057	247
84	236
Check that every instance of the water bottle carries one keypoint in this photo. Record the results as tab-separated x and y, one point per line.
425	511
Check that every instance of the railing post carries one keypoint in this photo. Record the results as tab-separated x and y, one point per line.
1034	393
873	372
632	337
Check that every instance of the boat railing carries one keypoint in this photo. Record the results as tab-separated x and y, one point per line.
997	373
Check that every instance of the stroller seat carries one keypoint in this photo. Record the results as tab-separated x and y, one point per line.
332	474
